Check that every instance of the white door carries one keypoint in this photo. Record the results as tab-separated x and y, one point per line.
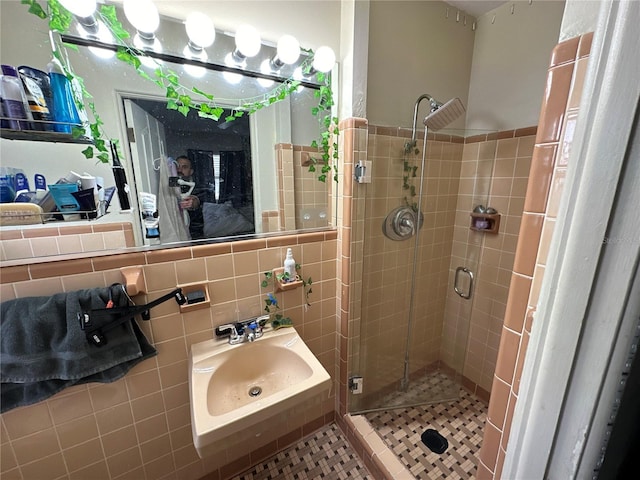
147	146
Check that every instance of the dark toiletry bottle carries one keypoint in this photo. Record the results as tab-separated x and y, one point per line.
37	87
15	107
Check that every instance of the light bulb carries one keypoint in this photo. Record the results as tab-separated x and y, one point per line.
232	78
195	70
248	40
152	45
200	29
288	49
102	34
324	59
265	67
142	14
80	8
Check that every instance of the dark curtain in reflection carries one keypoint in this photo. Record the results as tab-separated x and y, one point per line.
236	184
204	175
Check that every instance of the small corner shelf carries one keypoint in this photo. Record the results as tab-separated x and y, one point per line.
284	286
492	222
194	287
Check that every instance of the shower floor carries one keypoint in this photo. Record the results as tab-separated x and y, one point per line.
460	421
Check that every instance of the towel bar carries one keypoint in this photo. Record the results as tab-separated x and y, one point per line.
93	321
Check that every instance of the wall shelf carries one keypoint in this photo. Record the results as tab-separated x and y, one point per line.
485	222
195	287
284	286
43	135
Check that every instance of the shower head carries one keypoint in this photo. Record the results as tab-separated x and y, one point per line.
443	115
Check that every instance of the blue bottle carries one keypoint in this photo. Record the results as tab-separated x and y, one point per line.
64	106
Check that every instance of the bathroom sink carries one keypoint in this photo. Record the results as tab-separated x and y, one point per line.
233	387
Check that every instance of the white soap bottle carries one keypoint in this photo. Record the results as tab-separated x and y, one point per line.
289	266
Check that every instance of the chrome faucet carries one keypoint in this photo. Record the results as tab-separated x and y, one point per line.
245	331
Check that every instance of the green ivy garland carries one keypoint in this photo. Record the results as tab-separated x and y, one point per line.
180	97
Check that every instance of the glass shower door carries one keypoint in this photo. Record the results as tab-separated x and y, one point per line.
413	326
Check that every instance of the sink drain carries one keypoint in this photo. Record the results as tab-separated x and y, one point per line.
255	391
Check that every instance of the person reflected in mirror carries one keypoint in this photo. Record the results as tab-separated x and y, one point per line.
193	202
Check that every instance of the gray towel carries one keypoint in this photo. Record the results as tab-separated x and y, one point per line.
43	349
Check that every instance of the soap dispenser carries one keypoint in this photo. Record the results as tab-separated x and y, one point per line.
289	266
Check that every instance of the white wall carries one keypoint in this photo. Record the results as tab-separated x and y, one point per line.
313	22
415	49
580	17
510	60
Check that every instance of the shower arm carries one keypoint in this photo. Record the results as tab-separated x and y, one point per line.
434	106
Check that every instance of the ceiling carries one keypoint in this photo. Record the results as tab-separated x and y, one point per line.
476	8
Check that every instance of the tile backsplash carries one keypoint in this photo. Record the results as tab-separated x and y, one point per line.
140	426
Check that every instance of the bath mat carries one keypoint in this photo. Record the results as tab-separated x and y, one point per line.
434	441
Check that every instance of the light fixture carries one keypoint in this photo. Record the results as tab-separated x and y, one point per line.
247	42
265	68
288	52
200	30
234	60
91	29
195	70
232	78
324	59
145	44
80	8
143	15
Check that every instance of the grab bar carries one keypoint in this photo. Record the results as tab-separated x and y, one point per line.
455	282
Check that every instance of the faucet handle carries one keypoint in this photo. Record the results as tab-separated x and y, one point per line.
226	330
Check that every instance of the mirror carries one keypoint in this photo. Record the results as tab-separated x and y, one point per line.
274	142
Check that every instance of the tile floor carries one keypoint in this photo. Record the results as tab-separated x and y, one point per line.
324	454
461	422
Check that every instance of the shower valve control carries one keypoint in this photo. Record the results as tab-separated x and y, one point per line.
355	385
362	171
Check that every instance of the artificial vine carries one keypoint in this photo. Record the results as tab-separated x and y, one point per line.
182	98
410	172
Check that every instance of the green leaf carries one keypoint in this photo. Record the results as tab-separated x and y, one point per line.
173	79
88	152
314	144
184	110
217	112
71	46
238	113
35	8
200	92
172	105
77	132
125	55
104	158
185	100
171	92
322	178
110	17
312	168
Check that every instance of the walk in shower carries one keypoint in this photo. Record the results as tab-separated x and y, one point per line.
421	253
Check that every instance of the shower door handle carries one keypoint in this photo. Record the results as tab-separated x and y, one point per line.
455	282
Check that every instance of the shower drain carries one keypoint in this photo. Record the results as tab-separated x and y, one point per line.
255	391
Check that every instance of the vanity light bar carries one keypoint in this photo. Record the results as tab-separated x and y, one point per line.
84	42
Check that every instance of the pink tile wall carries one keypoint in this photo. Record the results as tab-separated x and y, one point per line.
140	426
553	142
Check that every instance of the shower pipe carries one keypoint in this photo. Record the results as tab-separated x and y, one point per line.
404	383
